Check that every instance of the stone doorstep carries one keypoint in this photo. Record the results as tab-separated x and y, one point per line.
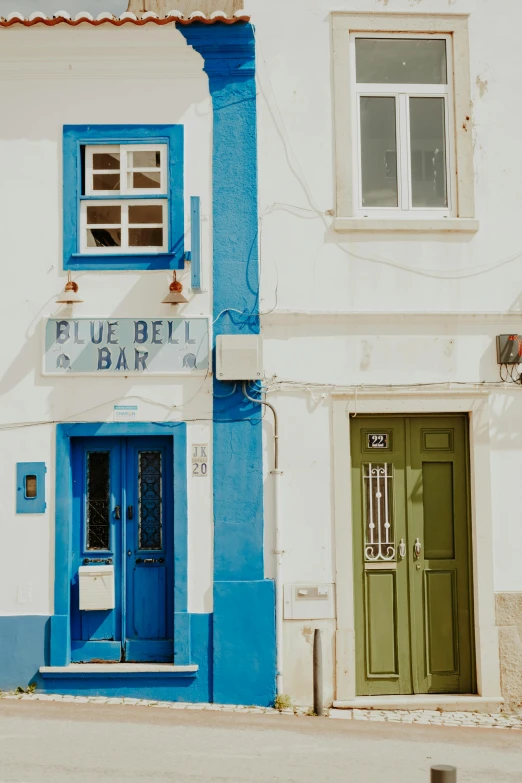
463	703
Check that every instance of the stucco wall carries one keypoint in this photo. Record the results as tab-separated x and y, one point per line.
382	308
48	78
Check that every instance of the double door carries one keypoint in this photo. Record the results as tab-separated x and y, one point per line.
122	518
412	555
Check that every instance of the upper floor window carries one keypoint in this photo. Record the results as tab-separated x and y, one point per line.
123	197
403	124
402	112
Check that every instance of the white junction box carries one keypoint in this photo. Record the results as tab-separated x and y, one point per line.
239	357
309	601
96	587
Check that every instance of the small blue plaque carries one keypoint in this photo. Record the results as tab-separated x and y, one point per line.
30	487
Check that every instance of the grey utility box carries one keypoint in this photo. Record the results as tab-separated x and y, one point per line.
239	357
508	349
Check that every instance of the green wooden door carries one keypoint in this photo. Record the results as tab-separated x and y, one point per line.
411	555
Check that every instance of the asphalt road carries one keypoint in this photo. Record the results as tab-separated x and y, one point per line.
90	743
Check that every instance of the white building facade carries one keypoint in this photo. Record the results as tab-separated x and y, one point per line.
344	180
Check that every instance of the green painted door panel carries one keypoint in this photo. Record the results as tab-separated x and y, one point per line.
381	624
381	577
413	613
438	501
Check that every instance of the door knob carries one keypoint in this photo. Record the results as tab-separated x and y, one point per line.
117	513
402	549
417	548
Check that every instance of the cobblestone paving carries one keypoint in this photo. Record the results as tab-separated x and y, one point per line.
424	717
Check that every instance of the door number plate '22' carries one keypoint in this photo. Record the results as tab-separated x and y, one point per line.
377	440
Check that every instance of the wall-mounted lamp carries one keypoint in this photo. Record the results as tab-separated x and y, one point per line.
70	294
175	295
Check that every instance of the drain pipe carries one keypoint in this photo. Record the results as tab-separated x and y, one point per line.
277	551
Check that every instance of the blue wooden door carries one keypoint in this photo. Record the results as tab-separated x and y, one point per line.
97	539
149	615
122	514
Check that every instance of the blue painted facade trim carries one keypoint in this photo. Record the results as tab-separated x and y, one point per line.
24	647
76	135
240	590
195	241
30	505
60	623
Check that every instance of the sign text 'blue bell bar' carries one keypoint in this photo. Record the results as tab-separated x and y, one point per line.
126	346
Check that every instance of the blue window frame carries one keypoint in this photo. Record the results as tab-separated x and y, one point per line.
76	138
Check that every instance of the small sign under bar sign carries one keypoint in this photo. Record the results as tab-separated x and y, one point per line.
125	412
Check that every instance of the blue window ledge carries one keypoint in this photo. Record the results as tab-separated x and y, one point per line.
74	136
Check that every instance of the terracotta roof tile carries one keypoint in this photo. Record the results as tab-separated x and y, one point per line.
83	17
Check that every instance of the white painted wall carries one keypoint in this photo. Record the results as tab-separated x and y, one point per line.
384	308
48	78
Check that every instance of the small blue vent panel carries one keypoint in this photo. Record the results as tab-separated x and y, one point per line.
30	487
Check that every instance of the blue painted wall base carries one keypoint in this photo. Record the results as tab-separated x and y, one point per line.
244	643
24	647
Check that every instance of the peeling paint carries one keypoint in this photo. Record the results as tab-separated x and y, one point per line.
482	86
366	354
308	634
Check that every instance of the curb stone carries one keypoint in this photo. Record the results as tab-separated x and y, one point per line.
512	722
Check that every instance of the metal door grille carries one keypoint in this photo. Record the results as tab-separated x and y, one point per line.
379	543
150	529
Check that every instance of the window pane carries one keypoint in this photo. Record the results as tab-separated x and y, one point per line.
145	159
145	237
428	152
101	161
378	152
30	486
103	237
98	499
103	215
105	181
145	180
146	214
401	61
150	500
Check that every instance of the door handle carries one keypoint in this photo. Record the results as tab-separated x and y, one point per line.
150	560
402	549
417	548
117	512
130	512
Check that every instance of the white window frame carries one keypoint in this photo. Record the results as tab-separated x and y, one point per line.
123	150
124	248
402	93
386	24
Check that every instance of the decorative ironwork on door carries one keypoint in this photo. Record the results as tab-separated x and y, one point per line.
379	534
150	529
98	500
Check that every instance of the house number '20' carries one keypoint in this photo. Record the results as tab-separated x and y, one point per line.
200	460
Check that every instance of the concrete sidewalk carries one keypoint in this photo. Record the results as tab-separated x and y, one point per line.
90	743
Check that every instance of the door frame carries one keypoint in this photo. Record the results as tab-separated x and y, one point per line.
422	402
60	642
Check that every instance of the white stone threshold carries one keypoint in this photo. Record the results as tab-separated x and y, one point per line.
118	668
430	701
